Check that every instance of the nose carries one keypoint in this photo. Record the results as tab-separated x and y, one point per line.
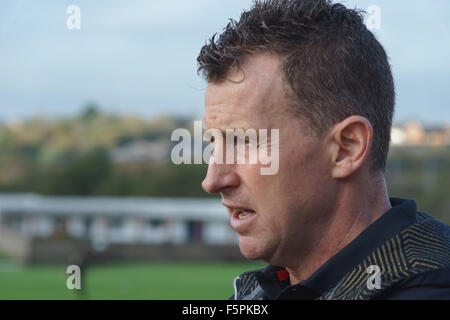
219	178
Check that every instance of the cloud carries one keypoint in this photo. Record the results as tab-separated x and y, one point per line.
142	53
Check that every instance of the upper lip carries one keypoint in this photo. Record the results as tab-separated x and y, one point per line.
237	207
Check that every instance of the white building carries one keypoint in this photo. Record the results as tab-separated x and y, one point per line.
107	220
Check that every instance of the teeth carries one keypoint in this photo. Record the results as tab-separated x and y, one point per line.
244	214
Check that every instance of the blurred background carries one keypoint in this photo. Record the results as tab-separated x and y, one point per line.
85	124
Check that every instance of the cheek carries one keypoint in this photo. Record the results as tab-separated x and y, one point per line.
301	164
273	220
251	177
291	176
299	180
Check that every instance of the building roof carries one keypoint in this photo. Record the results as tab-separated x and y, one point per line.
158	208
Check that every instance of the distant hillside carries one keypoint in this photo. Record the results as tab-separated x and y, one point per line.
74	156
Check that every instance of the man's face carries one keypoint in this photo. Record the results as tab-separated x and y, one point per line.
288	209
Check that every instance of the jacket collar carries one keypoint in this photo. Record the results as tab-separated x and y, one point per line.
401	215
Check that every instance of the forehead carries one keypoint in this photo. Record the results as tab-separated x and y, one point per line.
252	94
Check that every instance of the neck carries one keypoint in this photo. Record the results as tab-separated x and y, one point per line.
356	207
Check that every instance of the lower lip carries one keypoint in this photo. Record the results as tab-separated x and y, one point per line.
241	225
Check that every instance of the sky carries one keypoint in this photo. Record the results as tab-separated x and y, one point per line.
139	56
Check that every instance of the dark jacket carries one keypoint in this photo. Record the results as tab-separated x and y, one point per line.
410	249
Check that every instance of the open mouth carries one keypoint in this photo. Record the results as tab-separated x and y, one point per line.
242	214
241	217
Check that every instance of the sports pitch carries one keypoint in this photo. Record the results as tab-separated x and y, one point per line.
146	280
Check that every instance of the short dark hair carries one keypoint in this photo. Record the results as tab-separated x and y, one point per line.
334	65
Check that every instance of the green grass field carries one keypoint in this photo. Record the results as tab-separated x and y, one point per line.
158	280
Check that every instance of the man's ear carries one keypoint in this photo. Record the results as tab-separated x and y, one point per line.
350	142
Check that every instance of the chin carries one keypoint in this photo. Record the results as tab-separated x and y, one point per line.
252	248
